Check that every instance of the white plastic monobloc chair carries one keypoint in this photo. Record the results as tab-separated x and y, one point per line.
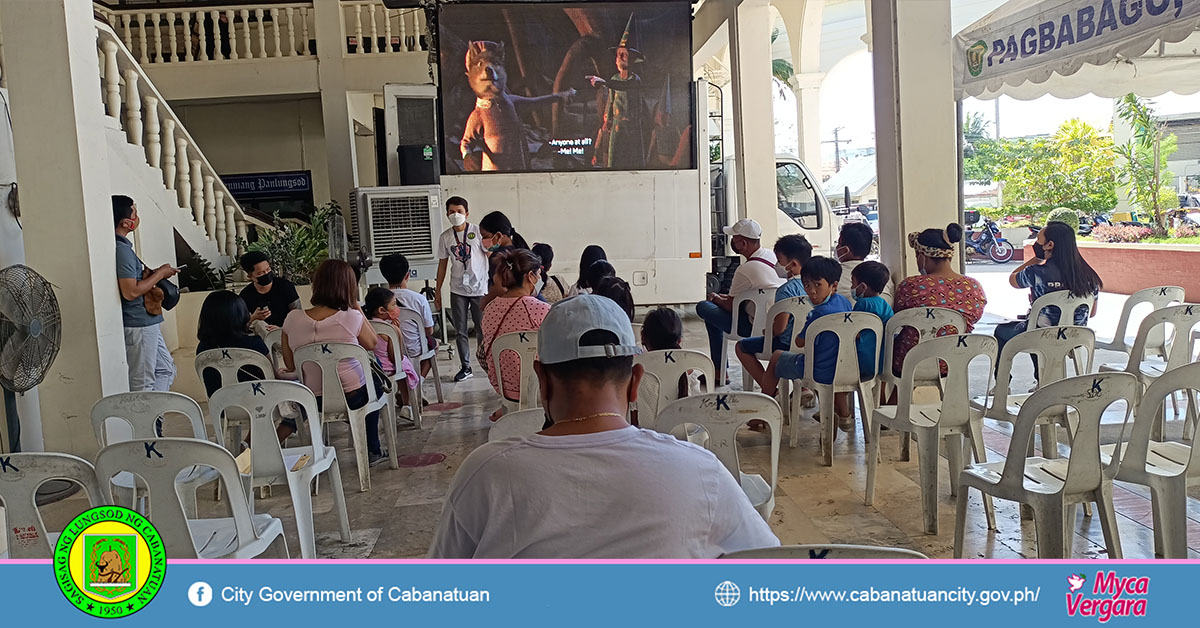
721	414
1158	298
271	463
1182	319
761	299
157	462
399	378
1054	487
827	552
663	369
524	344
797	310
518	424
20	477
229	364
135	415
1052	346
274	342
846	378
948	419
413	318
334	408
1167	468
1061	302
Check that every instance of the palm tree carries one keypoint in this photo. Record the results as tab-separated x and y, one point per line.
782	70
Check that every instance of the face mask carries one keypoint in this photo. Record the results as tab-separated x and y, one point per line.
1039	251
457	219
858	294
781	270
265	280
842	253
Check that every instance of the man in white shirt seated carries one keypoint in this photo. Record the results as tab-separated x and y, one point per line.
853	247
756	273
591	485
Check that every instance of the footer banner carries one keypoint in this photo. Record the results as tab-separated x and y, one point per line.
137	589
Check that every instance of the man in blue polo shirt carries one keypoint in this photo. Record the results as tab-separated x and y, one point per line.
150	364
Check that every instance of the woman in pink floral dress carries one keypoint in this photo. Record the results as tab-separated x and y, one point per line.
938	285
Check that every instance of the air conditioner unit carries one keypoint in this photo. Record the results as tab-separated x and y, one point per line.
403	219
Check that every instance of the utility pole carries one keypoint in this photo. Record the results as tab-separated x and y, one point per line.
997	101
837	148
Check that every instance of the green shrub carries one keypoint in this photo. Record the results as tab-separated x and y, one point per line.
1120	233
295	248
1064	215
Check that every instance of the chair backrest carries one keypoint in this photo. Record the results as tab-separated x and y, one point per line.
1090	396
956	353
327	355
130	415
927	321
274	341
157	462
521	423
1158	298
1149	411
260	400
1061	301
409	318
524	344
20	477
229	362
796	309
386	330
1052	346
762	299
721	414
665	368
846	326
1178	346
827	552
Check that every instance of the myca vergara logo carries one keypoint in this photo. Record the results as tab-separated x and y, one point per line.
975	57
110	562
1110	596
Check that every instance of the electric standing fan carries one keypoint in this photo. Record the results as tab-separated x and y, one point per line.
30	333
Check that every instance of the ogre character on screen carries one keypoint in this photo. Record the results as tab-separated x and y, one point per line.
494	138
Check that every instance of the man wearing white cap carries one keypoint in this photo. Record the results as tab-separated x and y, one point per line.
591	485
756	273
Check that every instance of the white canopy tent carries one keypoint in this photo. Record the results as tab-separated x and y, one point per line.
1026	49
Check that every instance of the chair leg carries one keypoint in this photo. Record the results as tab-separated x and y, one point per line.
1189	423
794	412
960	521
358	438
872	462
1049	432
390	432
189	500
1108	521
279	547
1048	520
954	458
339	500
980	453
302	504
437	380
1069	512
784	397
828	426
927	464
416	400
905	447
1169	506
866	406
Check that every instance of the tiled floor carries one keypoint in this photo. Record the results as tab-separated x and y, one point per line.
814	504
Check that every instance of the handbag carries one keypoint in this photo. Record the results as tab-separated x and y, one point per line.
163	296
482	353
170	294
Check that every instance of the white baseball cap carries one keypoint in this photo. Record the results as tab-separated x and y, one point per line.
746	228
570	319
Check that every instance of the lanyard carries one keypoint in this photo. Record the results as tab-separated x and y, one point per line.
465	232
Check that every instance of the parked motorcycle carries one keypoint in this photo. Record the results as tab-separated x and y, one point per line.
989	242
1086	224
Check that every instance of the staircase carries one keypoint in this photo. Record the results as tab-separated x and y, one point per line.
153	159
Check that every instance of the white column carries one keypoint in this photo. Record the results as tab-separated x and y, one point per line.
915	135
144	56
233	42
275	31
133	109
169	154
112	79
197	171
291	37
219	210
158	48
304	13
358	33
153	130
335	106
183	188
262	34
210	208
172	38
803	21
241	234
230	232
62	123
201	36
753	118
246	34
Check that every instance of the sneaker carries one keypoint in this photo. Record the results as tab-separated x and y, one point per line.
377	458
846	423
462	374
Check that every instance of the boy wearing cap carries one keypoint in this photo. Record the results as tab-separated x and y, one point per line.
591	485
756	273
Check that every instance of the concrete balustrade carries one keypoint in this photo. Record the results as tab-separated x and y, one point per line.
148	121
239	31
372	28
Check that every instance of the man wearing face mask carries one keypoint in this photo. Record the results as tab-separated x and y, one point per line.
591	485
269	298
150	364
462	252
758	272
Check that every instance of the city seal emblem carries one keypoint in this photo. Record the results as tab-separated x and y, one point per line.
110	562
975	57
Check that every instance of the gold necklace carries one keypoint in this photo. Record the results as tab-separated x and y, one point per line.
591	416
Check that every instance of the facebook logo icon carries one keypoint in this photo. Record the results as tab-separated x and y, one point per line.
200	594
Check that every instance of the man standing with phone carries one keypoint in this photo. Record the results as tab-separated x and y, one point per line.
269	298
461	251
150	364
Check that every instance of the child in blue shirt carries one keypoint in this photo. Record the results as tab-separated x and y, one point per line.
868	281
793	252
820	277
